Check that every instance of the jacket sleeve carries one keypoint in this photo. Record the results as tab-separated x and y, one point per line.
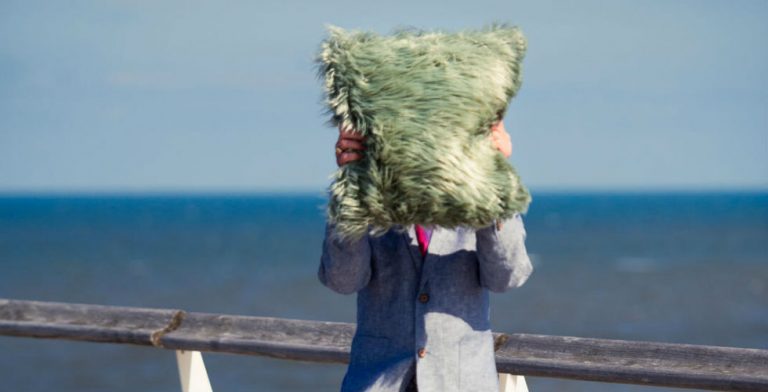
502	257
345	265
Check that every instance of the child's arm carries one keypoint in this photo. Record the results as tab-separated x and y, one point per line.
501	253
345	266
502	257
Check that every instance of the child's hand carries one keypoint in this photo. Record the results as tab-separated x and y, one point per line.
349	146
501	139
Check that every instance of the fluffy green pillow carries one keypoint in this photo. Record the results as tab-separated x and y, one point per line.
425	102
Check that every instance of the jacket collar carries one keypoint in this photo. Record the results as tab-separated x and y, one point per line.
412	243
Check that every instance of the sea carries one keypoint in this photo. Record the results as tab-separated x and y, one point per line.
680	267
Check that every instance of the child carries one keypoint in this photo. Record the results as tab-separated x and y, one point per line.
423	314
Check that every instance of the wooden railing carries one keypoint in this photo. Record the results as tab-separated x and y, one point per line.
616	361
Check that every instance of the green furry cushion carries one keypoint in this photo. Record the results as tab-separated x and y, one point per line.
425	102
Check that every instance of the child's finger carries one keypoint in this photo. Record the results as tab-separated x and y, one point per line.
349	133
350	144
347	156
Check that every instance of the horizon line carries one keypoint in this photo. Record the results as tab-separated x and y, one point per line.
323	192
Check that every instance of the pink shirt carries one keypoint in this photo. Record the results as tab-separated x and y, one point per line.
423	235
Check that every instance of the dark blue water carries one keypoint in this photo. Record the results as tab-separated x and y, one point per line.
682	267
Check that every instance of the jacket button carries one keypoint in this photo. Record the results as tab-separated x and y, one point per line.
423	298
422	352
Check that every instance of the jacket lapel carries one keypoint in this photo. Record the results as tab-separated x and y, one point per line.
412	243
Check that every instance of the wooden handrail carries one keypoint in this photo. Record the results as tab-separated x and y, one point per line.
616	361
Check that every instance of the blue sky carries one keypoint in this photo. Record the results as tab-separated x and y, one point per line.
222	95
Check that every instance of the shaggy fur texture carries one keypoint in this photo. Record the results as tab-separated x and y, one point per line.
425	102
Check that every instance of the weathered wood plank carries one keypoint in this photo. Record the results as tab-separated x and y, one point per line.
95	323
314	341
618	361
634	362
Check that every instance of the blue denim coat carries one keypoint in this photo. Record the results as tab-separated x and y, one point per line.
428	315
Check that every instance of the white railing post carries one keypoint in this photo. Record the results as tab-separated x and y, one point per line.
194	377
512	383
